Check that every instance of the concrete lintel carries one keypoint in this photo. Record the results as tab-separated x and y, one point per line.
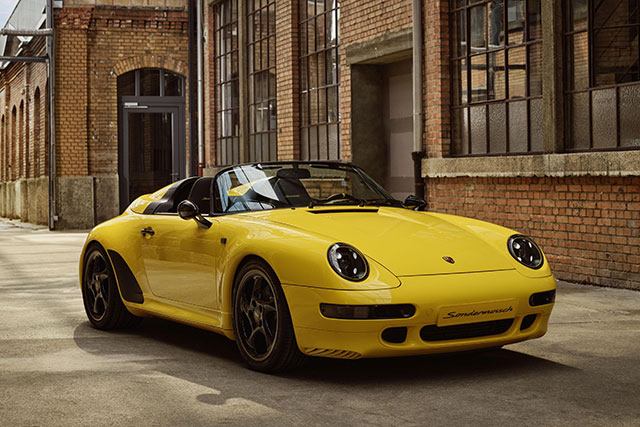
612	163
390	47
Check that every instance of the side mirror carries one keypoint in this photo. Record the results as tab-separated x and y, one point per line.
188	210
417	203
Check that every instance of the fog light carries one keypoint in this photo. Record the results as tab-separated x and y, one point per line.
395	335
542	298
387	311
527	321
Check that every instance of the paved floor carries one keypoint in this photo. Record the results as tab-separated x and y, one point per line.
55	370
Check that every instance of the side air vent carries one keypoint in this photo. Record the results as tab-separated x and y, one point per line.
337	354
129	287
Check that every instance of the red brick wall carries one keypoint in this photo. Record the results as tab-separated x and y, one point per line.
118	41
589	227
71	91
19	82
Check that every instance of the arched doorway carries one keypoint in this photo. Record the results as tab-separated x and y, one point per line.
151	154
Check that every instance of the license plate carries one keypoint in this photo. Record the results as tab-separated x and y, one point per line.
473	313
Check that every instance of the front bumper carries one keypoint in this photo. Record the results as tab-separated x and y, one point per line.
431	295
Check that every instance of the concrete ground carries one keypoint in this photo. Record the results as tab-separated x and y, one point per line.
56	370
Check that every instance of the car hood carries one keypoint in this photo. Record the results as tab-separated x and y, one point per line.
406	242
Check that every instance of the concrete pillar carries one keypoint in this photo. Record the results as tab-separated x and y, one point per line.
552	76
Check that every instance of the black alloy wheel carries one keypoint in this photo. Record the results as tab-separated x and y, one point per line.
262	322
102	301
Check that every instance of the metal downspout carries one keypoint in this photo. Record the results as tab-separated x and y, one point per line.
418	153
201	163
51	44
191	78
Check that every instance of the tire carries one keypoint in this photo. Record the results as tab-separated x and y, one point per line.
261	321
102	301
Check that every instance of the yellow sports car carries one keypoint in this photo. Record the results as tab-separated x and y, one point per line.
296	259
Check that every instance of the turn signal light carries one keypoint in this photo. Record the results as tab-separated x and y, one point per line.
542	298
388	311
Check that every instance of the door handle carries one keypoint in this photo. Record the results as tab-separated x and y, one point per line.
147	232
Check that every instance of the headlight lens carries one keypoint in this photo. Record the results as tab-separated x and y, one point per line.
348	262
525	251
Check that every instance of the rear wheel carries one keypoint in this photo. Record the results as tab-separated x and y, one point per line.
102	301
262	322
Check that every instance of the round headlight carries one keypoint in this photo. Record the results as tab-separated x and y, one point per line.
348	262
524	250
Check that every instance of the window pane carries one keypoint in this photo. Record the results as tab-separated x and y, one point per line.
534	19
577	15
478	78
535	69
629	117
459	34
497	128
616	56
334	147
496	76
127	84
478	17
518	127
515	21
604	127
479	129
460	131
149	82
172	84
579	126
578	65
459	82
496	20
517	72
536	123
615	13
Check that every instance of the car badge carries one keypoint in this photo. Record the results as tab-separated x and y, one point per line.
449	259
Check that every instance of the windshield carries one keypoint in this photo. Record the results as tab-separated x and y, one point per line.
286	185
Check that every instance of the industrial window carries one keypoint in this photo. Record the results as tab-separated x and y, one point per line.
261	20
226	82
319	80
497	76
245	80
602	74
150	82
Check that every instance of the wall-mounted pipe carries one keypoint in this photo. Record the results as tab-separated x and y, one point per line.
418	153
192	93
201	163
51	45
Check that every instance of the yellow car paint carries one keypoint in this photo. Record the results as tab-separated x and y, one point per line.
186	273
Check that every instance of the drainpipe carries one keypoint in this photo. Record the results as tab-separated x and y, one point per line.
200	91
53	217
418	153
193	147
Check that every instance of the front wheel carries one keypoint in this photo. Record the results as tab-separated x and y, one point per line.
261	320
102	301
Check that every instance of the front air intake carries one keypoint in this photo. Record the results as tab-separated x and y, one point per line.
468	330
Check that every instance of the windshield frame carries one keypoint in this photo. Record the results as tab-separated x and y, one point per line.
281	164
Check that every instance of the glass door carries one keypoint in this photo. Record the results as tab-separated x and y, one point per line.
151	156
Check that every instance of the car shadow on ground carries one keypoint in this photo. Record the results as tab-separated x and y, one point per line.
161	339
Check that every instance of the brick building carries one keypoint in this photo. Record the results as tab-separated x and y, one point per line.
528	119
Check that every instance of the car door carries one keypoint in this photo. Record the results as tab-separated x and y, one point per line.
180	258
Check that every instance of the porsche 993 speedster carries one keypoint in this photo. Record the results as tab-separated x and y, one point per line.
296	259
